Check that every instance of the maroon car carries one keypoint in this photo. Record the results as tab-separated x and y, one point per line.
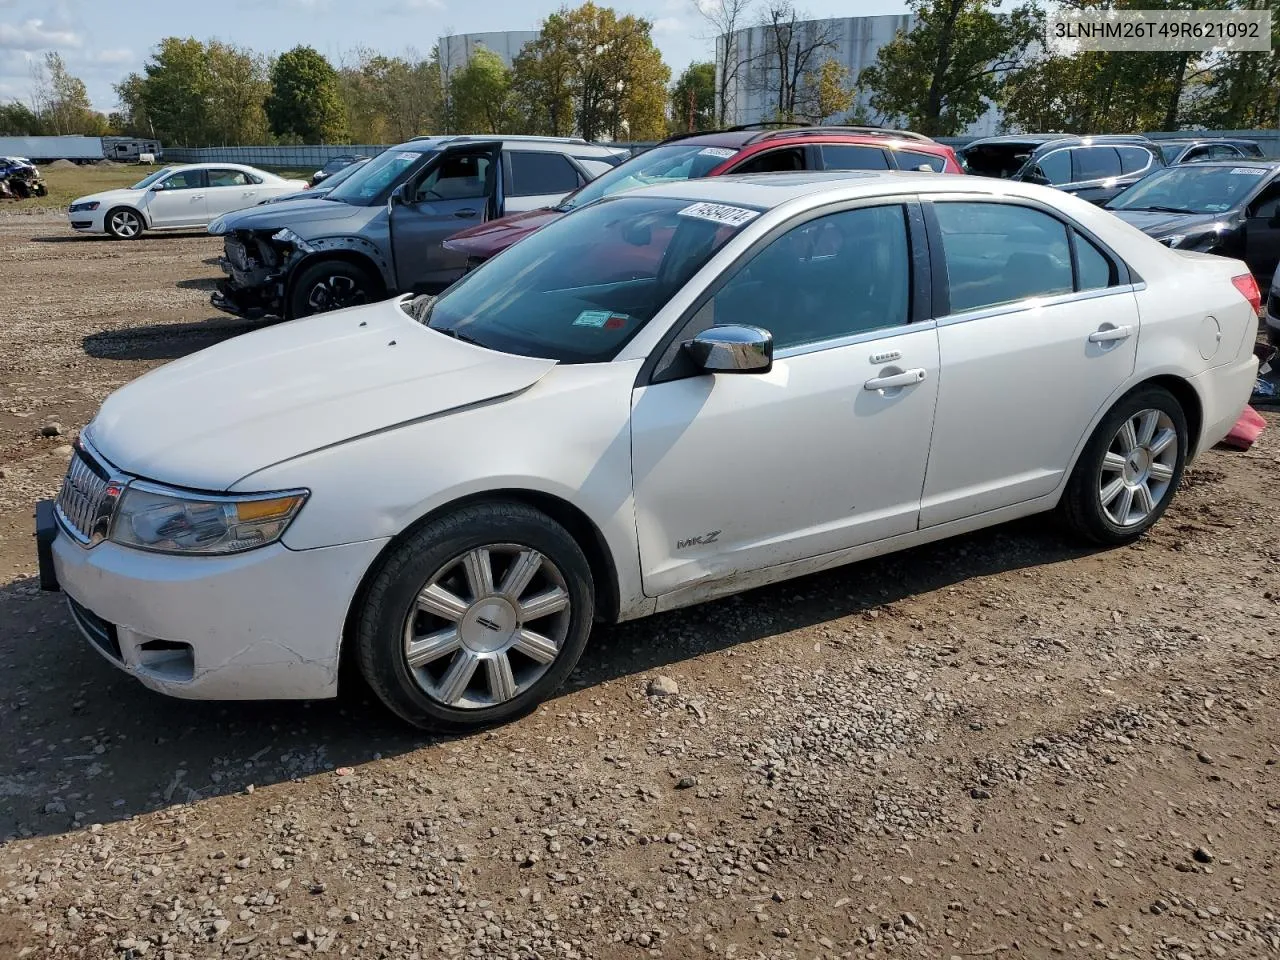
755	148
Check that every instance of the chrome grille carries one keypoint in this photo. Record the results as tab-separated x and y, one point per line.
83	503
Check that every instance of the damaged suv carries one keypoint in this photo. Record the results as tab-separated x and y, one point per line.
381	231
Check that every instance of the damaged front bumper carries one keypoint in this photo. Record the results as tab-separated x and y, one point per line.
251	626
256	271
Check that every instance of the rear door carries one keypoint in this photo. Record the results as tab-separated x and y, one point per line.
535	179
1262	233
179	200
457	190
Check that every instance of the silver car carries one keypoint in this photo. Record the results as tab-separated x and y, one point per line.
381	231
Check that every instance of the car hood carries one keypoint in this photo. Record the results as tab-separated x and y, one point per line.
489	239
131	197
215	417
1156	224
300	195
274	217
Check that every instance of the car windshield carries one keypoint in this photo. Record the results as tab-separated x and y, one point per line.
148	181
1001	160
368	184
1193	188
579	289
343	175
1170	151
659	165
336	164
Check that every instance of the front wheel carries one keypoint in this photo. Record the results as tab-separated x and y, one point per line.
476	618
1129	470
124	224
331	285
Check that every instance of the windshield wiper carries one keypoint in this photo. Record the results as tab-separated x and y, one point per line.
456	334
1159	209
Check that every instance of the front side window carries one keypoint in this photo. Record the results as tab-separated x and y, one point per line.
535	174
458	176
184	180
1094	163
659	165
579	289
786	160
1001	253
1191	188
148	181
915	160
850	156
835	276
1267	206
228	178
1055	167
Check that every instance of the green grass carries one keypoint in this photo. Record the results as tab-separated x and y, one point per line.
67	184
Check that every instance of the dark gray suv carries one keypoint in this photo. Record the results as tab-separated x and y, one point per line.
1093	168
381	231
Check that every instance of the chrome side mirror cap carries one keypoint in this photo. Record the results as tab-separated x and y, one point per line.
732	348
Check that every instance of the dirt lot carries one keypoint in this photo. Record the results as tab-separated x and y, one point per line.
999	746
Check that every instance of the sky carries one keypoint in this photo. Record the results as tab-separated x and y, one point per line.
103	40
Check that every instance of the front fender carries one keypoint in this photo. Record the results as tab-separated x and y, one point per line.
346	247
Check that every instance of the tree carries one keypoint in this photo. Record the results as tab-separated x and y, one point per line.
941	75
543	80
826	92
693	98
390	99
171	95
794	47
62	101
304	102
479	94
237	87
725	17
18	120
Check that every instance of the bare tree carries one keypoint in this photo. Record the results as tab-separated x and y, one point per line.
725	18
793	49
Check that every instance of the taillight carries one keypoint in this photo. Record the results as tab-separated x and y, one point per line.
1248	288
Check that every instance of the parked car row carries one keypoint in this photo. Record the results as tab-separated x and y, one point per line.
664	393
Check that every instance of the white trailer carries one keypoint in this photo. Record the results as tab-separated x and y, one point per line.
44	149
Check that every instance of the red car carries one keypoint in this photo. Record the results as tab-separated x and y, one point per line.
753	148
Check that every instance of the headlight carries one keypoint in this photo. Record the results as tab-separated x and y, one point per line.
1173	241
150	517
91	205
218	227
288	236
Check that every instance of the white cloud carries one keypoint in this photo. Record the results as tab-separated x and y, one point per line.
113	57
666	26
32	35
414	6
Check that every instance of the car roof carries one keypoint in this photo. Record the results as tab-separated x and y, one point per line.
1059	139
753	135
572	145
1263	164
769	190
1206	139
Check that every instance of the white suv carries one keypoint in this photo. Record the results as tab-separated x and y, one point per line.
670	395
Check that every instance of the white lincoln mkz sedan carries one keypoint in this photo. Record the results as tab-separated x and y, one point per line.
674	394
177	197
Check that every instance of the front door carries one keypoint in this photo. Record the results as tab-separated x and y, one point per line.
452	193
179	200
1262	233
1039	333
738	472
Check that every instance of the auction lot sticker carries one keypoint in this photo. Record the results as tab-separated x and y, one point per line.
1071	31
724	213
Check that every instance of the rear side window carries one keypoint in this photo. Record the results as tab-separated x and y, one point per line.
914	160
1094	163
1001	253
773	161
228	178
849	156
535	174
1133	159
1094	269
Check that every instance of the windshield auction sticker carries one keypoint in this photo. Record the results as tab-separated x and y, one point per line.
724	153
1071	31
720	213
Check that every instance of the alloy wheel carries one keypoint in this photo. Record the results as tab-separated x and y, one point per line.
125	224
486	626
335	292
1138	467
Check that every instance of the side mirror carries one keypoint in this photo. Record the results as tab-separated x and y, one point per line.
730	348
157	188
400	195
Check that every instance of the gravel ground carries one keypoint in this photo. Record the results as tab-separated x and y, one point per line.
996	746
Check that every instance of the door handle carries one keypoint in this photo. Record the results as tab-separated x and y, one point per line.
198	196
908	378
1111	334
464	214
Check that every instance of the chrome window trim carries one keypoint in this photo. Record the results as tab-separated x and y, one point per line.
1032	162
1035	303
853	339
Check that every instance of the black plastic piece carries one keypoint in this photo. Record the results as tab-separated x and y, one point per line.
46	532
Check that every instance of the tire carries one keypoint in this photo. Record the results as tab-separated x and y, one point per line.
1104	502
124	224
490	660
331	285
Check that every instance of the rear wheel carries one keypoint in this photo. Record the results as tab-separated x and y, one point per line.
1129	470
331	285
124	224
476	618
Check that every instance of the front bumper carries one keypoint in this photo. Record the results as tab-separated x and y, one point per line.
252	288
266	624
